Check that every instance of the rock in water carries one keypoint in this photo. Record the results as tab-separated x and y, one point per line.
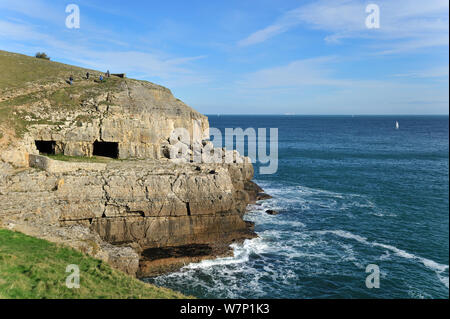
262	196
255	192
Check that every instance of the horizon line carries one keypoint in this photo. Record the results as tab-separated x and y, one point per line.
283	114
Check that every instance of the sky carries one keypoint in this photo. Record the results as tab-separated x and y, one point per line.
254	56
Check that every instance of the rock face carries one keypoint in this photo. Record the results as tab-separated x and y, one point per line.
139	204
255	192
145	214
138	116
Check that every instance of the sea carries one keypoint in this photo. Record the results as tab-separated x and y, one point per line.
363	213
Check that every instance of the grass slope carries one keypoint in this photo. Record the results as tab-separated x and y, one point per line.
35	268
23	83
18	70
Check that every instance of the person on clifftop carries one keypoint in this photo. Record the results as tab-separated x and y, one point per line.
71	80
107	74
87	75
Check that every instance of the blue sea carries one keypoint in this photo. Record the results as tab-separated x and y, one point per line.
351	191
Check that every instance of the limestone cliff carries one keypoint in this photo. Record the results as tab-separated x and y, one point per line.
143	212
139	204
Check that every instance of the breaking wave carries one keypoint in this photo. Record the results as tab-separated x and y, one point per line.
298	253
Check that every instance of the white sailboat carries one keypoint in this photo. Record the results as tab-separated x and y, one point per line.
397	126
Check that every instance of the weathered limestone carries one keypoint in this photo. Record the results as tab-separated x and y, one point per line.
138	115
146	215
53	166
139	204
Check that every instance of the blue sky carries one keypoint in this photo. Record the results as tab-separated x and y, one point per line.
254	57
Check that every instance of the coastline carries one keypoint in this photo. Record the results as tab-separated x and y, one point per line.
161	261
119	197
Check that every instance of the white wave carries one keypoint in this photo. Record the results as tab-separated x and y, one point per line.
302	198
316	191
386	256
428	263
443	279
344	234
295	247
415	294
228	277
290	193
261	217
241	252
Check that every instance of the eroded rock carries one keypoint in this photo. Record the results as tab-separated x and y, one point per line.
123	211
134	205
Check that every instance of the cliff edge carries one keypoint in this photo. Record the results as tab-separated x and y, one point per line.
90	165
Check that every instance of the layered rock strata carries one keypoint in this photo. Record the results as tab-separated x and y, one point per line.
145	212
135	206
138	116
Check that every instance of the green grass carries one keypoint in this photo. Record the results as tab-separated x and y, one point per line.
18	69
21	72
15	118
35	268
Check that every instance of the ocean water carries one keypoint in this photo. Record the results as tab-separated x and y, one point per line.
351	191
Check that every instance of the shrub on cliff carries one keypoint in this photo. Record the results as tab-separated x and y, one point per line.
42	55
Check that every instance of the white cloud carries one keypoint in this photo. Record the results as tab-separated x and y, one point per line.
263	35
311	86
307	72
413	24
146	65
19	32
436	72
155	65
34	9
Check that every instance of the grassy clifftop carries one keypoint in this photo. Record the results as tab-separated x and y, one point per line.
36	91
35	268
28	84
18	70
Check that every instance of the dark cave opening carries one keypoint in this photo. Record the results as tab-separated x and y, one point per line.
192	250
45	147
106	149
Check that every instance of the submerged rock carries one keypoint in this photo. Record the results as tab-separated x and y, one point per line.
255	192
262	196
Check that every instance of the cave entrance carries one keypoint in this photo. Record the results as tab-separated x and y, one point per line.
192	250
106	149
45	147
